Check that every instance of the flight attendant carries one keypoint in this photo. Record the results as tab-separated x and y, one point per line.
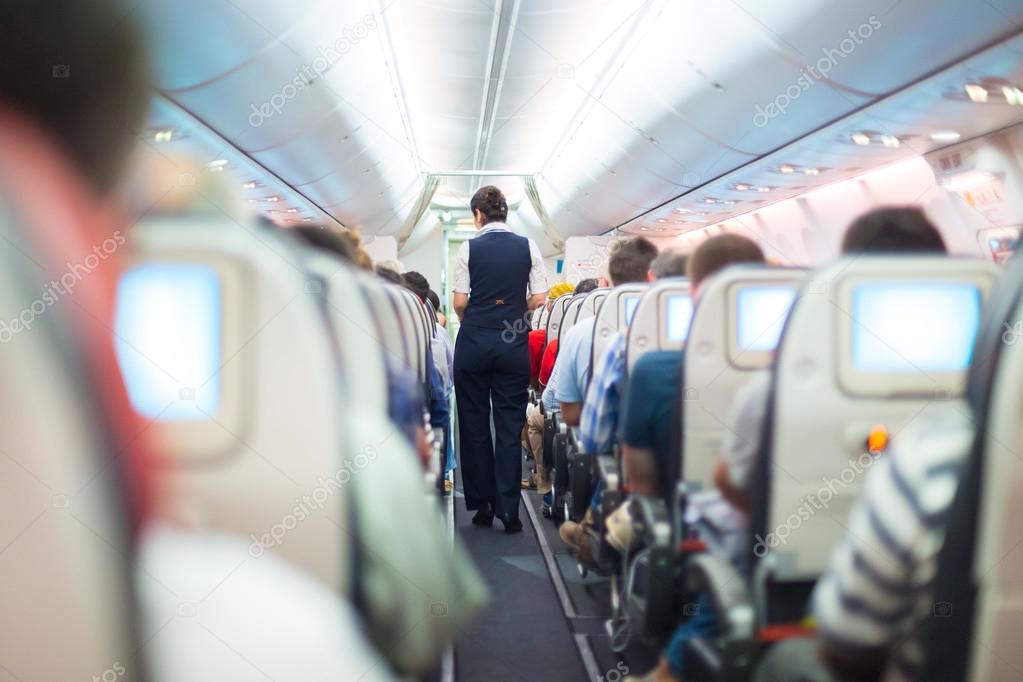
499	278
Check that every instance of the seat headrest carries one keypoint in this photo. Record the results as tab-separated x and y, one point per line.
615	312
660	321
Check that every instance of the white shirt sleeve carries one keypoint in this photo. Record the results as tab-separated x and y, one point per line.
460	283
537	273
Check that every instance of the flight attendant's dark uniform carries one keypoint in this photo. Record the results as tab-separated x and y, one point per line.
491	367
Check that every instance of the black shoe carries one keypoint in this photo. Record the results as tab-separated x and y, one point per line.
484	517
511	524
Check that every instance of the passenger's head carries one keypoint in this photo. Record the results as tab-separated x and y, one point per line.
718	253
630	261
434	299
390	275
669	264
557	291
488	205
327	239
362	259
80	72
585	286
417	284
893	230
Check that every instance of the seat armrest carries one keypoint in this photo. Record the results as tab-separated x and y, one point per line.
653	519
607	471
728	591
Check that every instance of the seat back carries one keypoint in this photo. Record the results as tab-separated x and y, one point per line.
358	339
661	320
385	315
534	320
614	315
556	316
592	303
735	330
572	312
545	315
65	514
871	344
224	345
978	594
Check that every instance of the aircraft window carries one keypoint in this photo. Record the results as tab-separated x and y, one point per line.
168	324
761	314
679	315
630	307
914	327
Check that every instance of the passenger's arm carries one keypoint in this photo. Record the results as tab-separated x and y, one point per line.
537	278
460	301
735	496
570	413
640	467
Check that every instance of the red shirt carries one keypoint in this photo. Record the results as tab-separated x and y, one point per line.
547	365
537	339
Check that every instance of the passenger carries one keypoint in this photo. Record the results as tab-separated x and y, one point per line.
533	437
542	353
837	598
629	263
391	275
442	381
871	601
442	319
362	258
506	277
328	239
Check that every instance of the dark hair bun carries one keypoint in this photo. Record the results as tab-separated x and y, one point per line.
490	201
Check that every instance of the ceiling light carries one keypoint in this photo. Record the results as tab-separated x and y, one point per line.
861	139
643	228
890	141
273	198
741	187
163	135
307	220
710	200
945	136
682	210
764	189
292	210
730	202
217	165
976	92
661	220
811	171
251	184
660	229
1013	95
786	168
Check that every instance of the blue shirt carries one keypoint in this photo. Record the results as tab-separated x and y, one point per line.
598	424
652	394
574	350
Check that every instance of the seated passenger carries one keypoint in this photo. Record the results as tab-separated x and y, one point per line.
627	264
541	353
850	585
598	424
442	319
533	437
630	262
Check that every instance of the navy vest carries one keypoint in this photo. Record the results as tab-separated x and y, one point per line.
499	265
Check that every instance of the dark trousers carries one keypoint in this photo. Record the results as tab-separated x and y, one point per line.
490	371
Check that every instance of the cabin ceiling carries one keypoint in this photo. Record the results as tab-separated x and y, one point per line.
620	110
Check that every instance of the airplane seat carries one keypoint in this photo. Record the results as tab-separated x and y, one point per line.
734	333
870	345
593	303
556	316
572	313
978	588
545	315
358	343
613	316
534	319
284	461
649	598
388	324
71	463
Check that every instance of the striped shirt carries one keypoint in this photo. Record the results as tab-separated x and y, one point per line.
877	589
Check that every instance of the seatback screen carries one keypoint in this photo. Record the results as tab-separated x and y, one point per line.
917	327
678	315
760	316
168	325
630	302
